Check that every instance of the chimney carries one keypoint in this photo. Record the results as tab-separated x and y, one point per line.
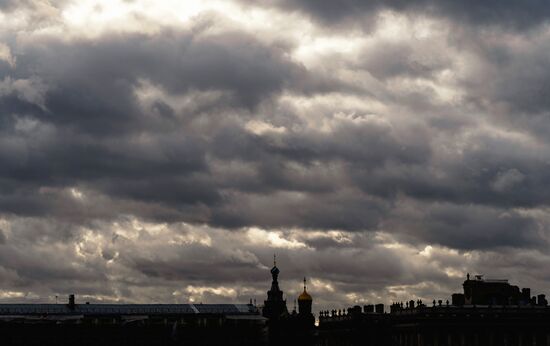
541	300
379	308
71	302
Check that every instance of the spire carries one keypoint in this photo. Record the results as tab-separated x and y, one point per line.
275	274
304	283
275	305
274	270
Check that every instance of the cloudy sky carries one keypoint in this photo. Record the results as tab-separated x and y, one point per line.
162	151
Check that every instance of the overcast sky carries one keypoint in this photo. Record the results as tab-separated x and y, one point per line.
162	151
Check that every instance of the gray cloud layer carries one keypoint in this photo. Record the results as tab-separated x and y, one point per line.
171	165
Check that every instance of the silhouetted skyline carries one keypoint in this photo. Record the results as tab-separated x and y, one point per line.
487	312
162	151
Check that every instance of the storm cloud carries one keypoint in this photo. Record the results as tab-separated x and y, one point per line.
505	14
163	154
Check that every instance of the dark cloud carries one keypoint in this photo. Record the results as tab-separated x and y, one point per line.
506	14
22	4
317	211
467	227
91	125
158	155
510	81
6	5
178	62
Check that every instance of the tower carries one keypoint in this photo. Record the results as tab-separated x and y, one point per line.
304	302
305	319
274	306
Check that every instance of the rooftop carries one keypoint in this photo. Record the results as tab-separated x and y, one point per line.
127	309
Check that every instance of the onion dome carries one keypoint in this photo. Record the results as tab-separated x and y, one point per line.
304	296
274	270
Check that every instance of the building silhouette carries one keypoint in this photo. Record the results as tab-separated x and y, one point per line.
275	306
305	302
487	313
131	324
286	328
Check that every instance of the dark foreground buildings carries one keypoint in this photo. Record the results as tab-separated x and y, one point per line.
486	313
133	324
295	328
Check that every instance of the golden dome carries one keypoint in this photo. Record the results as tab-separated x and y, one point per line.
305	296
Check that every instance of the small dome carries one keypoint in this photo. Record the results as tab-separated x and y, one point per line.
305	296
